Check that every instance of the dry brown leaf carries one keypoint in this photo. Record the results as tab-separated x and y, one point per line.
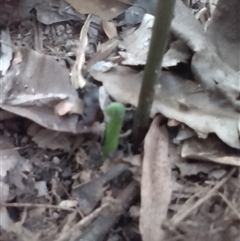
189	169
76	74
52	140
177	53
105	9
177	99
136	43
6	223
6	51
109	29
69	106
156	183
49	13
210	149
223	30
212	6
220	77
41	83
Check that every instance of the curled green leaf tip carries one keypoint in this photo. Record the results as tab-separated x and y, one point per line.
113	114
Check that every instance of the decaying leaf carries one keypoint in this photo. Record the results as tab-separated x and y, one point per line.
136	43
223	31
76	75
52	140
156	183
177	53
189	169
105	9
210	149
177	99
6	51
69	106
49	13
220	77
6	223
110	29
32	87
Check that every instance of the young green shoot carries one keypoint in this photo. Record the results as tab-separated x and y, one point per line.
113	115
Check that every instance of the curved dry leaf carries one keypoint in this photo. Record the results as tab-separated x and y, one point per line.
136	43
69	106
156	183
6	51
6	223
42	82
109	29
76	74
210	149
105	9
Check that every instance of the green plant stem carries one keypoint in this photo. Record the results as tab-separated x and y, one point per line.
160	34
113	115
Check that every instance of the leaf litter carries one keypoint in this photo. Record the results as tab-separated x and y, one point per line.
183	185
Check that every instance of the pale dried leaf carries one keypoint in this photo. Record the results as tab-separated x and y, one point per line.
68	204
223	31
177	99
178	53
210	149
109	29
212	5
12	165
220	77
76	74
104	99
6	51
156	183
136	43
42	83
42	190
103	66
69	106
189	169
4	193
6	222
9	156
105	9
49	13
183	134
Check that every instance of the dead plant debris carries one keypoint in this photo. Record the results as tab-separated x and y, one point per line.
61	63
